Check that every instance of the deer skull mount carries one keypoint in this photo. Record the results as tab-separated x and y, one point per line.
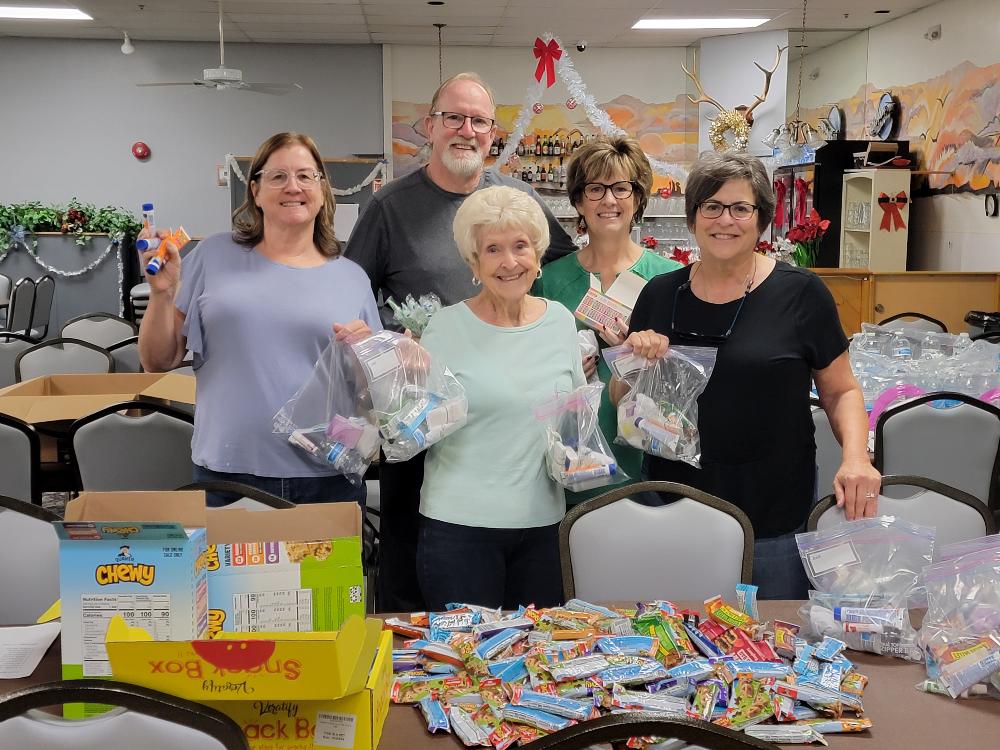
738	120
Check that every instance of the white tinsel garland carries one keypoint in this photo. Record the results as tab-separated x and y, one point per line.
377	171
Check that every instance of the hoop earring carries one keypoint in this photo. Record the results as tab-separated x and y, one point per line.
475	281
539	273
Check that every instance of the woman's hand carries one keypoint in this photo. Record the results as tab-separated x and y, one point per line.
857	485
648	344
589	366
614	337
168	278
355	329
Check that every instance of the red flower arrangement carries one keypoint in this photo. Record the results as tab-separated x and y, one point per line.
764	248
807	237
649	242
681	256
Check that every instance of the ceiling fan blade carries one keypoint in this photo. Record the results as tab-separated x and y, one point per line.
270	88
173	83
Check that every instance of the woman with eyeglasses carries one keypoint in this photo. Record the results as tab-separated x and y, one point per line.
255	307
609	181
776	329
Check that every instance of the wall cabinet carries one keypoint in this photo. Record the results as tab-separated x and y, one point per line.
874	223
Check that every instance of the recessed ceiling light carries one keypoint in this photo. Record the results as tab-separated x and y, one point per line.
45	14
699	23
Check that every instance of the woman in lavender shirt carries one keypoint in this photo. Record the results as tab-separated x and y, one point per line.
255	308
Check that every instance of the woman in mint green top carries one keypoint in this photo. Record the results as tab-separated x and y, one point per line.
609	181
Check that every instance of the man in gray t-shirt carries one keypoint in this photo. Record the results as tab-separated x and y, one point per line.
404	241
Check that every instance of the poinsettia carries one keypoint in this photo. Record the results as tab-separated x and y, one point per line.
807	237
681	256
649	242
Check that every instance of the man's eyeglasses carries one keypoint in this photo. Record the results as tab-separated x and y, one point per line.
278	178
455	121
705	338
739	211
596	191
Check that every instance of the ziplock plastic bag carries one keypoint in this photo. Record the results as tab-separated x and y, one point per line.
330	416
659	414
577	454
967	547
961	630
866	574
588	348
417	401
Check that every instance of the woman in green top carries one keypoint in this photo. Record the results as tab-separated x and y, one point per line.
608	181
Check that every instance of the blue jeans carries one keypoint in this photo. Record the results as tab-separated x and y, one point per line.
777	568
327	489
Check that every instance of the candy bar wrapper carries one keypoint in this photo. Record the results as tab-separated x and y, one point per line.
656	625
746	598
434	715
638	701
784	638
439	667
854	683
493	695
509	670
538	673
575	669
679	688
421	620
526	734
635	645
471	733
820	697
697	670
412	690
960	675
465	646
500	642
826	726
747	649
703	701
830	676
503	736
575	688
489	629
618	626
786	735
742	720
567	708
485	613
578	605
712	630
630	670
405	629
442	652
829	648
455	621
726	615
534	718
701	641
758	669
784	708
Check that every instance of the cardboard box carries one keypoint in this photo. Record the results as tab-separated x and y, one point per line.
60	398
289	691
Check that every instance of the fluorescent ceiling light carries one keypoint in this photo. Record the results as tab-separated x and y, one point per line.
699	23
47	14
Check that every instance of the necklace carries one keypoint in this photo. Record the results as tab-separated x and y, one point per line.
751	276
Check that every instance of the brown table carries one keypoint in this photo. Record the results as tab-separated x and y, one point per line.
903	716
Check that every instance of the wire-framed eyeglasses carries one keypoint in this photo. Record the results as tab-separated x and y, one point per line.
705	338
455	121
278	178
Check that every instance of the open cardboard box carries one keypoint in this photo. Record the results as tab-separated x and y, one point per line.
60	398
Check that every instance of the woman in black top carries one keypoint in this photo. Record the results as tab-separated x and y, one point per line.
776	328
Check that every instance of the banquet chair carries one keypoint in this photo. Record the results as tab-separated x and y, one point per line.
61	357
685	733
27	540
126	355
45	290
612	548
115	451
956	515
20	456
244	496
992	337
11	344
914	320
5	286
20	307
958	446
103	329
144	719
828	452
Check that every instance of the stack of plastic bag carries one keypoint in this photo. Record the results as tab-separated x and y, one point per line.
865	576
961	630
330	416
416	400
659	414
577	454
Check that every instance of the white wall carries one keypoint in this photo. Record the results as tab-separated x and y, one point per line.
71	113
728	74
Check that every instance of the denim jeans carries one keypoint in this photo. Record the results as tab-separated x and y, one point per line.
491	567
777	568
296	489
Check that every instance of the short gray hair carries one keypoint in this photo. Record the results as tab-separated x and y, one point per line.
498	207
467	76
714	169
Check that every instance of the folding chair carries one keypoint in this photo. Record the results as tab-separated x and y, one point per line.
126	355
612	548
11	344
20	458
45	289
828	452
245	496
20	307
103	329
27	541
914	320
61	356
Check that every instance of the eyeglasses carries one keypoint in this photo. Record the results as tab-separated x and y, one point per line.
739	211
705	338
596	191
278	178
455	121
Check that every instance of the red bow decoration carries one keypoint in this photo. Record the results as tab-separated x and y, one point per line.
681	256
891	211
546	54
780	189
801	186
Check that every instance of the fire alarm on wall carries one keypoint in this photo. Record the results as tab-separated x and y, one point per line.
140	151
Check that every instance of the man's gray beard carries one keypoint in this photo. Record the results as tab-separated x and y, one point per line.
462	167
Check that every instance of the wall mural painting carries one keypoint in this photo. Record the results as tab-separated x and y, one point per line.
667	131
952	123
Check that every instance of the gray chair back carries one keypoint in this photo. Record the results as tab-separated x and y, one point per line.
958	446
114	451
102	329
27	542
247	496
6	285
914	320
126	355
22	302
11	344
19	461
613	549
956	515
45	290
828	452
60	357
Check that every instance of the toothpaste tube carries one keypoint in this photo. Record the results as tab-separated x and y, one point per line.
746	598
567	708
579	476
534	718
888	617
499	643
434	715
786	735
468	730
631	645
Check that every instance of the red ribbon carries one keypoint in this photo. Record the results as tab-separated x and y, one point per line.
780	189
891	211
801	186
546	54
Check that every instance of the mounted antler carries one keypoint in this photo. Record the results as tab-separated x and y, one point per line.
767	83
704	98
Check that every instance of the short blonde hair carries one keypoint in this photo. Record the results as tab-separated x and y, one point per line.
499	207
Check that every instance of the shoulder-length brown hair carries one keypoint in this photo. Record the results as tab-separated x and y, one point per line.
248	219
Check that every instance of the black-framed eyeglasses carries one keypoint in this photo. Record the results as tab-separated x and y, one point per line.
740	211
455	121
596	191
704	338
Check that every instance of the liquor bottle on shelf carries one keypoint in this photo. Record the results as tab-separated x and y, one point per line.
562	174
559	147
494	147
538	145
543	176
520	148
552	175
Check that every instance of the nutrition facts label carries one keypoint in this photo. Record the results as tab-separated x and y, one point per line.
150	612
275	611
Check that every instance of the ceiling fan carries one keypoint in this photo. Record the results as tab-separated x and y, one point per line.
223	78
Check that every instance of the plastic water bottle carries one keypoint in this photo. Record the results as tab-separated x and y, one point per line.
900	347
962	342
930	348
345	460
